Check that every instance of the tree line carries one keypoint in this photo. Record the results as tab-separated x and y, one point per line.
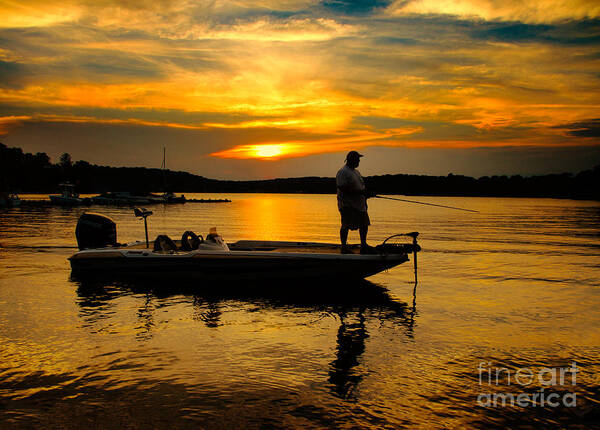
25	172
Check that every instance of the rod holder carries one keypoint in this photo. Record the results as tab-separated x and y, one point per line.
143	213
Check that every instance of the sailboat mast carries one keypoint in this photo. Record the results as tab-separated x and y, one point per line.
164	168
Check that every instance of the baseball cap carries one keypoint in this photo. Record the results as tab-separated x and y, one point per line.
353	154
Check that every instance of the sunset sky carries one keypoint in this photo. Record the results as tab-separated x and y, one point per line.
262	88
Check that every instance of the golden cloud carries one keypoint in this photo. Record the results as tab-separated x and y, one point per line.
26	14
8	123
529	11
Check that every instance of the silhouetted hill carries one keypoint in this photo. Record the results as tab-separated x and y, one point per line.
24	172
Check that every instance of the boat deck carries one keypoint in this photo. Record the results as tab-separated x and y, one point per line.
271	246
308	248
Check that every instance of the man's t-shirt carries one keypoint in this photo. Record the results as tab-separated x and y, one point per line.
351	178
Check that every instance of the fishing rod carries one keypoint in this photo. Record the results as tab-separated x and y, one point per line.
423	203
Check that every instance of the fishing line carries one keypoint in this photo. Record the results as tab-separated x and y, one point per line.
423	203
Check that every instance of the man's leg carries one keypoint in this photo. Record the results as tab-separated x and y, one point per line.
363	235
343	237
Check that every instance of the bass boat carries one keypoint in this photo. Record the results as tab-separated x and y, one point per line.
211	258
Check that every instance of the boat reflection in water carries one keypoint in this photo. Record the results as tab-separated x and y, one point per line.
354	305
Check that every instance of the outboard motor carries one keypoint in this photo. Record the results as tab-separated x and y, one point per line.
95	231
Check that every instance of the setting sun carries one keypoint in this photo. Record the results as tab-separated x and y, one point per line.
268	151
264	151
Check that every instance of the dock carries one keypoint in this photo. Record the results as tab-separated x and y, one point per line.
90	202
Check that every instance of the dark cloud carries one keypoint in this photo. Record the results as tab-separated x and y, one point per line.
10	74
127	34
587	128
515	33
73	68
569	33
443	130
395	41
237	16
354	7
383	123
120	67
150	115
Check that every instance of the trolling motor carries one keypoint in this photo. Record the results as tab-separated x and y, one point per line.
143	213
392	248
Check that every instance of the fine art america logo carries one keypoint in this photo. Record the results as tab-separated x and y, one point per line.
551	379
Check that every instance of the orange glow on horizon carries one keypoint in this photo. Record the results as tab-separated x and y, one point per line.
274	151
268	151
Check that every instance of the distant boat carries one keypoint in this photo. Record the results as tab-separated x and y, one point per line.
68	197
211	258
168	196
121	198
9	200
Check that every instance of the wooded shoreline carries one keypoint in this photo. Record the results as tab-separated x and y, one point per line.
34	173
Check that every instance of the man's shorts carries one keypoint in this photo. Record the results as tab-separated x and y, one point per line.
353	219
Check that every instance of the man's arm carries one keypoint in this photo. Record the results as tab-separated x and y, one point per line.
349	189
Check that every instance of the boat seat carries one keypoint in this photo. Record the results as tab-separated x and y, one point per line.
164	243
190	241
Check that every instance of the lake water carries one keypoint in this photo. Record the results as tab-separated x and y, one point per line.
507	302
